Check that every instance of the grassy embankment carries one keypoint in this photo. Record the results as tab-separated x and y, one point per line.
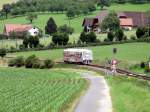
39	90
129	95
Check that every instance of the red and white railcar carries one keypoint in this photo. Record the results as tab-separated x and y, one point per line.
73	55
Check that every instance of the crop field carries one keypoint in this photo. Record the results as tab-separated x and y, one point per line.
130	52
129	95
25	90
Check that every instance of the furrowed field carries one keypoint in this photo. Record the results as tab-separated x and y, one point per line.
129	95
38	90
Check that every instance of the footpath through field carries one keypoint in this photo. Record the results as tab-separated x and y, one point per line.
97	97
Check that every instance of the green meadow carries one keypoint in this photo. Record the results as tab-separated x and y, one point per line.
129	95
130	52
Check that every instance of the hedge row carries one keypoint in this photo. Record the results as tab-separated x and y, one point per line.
31	62
77	45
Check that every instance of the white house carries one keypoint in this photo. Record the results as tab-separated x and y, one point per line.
33	31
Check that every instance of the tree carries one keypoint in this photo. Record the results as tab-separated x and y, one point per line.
70	13
111	22
60	38
6	8
85	11
25	42
2	52
91	37
142	32
65	29
33	41
31	17
91	7
110	36
119	34
83	37
103	3
88	37
51	27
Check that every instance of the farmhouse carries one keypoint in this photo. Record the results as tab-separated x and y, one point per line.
128	20
20	29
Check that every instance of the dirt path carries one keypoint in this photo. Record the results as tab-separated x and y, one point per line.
97	97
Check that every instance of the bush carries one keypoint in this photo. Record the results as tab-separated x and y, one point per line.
48	63
147	69
60	38
119	35
36	64
88	37
12	63
30	61
83	37
110	36
65	29
133	37
106	40
2	52
142	65
17	62
141	31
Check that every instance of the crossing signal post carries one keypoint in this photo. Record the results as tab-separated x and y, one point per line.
113	66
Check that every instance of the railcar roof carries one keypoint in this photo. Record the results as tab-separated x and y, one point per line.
77	50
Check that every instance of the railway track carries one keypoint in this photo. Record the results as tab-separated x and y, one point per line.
121	71
118	70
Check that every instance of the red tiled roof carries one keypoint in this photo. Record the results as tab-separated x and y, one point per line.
16	28
126	22
138	18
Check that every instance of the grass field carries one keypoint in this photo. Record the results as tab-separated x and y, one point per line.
129	95
131	53
25	90
130	7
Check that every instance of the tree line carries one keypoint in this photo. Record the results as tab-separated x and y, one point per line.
58	6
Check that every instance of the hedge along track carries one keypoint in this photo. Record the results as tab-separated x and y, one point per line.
118	70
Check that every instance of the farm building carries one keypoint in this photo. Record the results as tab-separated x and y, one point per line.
84	56
127	20
19	29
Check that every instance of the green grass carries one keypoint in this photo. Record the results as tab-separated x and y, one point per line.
131	53
129	95
130	7
24	90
